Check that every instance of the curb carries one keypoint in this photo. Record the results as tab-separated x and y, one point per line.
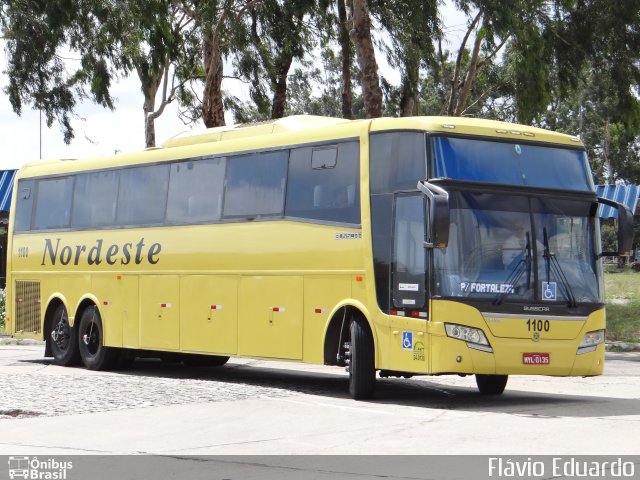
18	341
622	347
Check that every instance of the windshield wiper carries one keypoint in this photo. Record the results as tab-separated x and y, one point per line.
553	266
524	265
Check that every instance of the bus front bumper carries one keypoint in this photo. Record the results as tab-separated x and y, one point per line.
515	357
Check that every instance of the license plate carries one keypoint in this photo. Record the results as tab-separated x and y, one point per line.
536	359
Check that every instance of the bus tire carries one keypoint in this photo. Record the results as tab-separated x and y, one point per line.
94	354
491	384
362	371
64	339
193	360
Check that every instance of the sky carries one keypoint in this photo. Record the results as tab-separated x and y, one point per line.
100	132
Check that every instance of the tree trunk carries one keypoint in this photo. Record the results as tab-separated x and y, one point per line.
455	80
361	34
150	84
150	131
212	106
409	99
345	47
280	91
469	78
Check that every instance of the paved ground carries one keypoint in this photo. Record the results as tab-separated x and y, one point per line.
255	407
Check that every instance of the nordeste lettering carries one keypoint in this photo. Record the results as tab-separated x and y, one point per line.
97	253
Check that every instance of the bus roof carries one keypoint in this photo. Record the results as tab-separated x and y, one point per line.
308	128
475	126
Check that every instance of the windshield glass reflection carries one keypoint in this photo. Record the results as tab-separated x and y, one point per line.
497	249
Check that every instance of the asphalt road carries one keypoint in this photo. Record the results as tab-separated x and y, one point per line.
256	407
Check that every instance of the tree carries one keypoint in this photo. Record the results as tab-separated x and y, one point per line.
109	39
369	78
159	42
278	34
492	26
412	26
41	36
346	54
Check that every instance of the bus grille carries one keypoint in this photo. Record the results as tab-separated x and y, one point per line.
27	306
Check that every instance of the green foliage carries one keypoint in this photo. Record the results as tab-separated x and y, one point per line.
39	33
277	34
3	300
566	65
608	233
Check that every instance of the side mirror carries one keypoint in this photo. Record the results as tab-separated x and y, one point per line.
625	228
438	214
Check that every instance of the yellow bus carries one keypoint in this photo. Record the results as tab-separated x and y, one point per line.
397	247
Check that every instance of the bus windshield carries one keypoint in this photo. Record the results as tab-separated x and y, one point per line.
517	248
527	164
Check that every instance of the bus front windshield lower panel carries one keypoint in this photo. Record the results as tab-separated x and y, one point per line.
507	248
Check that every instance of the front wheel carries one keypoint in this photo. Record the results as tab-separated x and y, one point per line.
95	355
491	384
362	370
64	339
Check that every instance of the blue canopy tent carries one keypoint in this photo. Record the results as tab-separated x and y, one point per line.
625	194
6	188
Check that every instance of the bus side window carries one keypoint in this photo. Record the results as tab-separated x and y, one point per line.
323	183
142	197
255	185
53	203
94	199
195	190
24	205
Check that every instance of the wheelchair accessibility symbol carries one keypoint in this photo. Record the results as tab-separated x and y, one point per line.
549	291
407	340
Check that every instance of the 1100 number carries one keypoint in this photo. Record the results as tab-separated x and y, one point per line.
538	325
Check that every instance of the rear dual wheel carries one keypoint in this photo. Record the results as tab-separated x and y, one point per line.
94	354
64	339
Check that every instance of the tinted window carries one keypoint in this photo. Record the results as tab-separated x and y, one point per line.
143	195
409	276
398	161
94	199
511	163
331	192
255	184
195	191
24	205
53	204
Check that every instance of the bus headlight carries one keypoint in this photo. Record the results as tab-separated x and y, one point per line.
474	337
590	341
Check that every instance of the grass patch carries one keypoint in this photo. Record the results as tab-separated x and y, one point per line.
623	322
623	306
